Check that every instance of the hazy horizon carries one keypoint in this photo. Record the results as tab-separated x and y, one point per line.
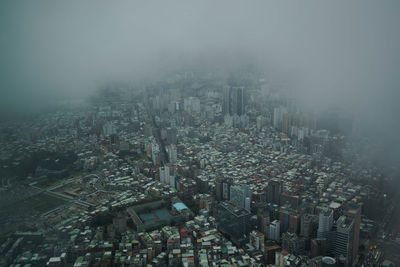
335	54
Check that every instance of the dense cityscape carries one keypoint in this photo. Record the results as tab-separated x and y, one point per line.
199	133
194	170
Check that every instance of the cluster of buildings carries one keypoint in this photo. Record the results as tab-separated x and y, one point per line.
196	177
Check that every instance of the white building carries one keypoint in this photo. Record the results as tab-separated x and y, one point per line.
155	153
172	154
274	230
164	175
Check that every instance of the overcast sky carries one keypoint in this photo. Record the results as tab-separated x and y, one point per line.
338	52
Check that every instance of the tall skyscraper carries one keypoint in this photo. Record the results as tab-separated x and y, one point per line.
290	220
226	189
172	154
354	212
284	218
171	135
164	175
308	225
218	189
286	122
279	118
155	153
226	101
234	101
172	181
274	230
238	101
238	195
325	224
247	203
234	222
263	221
344	240
274	191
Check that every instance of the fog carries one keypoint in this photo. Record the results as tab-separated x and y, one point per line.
336	54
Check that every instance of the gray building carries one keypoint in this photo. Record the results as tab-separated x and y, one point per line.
274	230
234	101
234	222
238	195
325	224
344	240
274	191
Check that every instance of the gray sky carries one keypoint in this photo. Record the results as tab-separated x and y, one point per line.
337	52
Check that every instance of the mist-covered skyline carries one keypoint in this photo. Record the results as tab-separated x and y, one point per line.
341	54
199	133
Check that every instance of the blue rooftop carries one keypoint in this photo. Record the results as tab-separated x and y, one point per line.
180	206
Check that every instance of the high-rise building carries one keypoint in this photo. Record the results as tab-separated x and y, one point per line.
172	181
238	195
239	101
263	221
278	118
286	122
294	224
226	189
325	223
290	220
187	188
344	240
274	191
172	154
164	175
222	189
234	101
274	231
218	189
308	225
308	228
171	135
354	212
226	101
155	153
234	222
247	202
273	210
